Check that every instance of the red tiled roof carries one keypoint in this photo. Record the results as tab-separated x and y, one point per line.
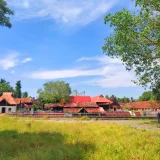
101	99
77	110
53	105
142	105
81	104
80	98
72	110
7	96
93	110
70	104
26	100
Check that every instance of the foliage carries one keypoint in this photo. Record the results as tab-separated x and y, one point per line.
117	99
85	118
124	99
36	107
127	107
75	141
4	12
146	96
25	95
54	92
18	91
136	41
5	86
75	92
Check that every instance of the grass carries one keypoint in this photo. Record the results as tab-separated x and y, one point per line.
22	139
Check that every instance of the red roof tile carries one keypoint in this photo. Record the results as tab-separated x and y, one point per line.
81	104
93	110
80	98
53	105
7	96
26	100
72	110
100	99
142	105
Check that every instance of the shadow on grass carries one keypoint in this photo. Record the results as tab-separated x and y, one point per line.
41	146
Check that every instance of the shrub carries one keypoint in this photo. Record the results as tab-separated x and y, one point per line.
86	118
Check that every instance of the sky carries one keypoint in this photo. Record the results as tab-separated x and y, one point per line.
54	40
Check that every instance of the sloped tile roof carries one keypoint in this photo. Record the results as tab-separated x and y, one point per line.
7	96
100	99
142	105
72	110
93	110
53	105
80	98
26	100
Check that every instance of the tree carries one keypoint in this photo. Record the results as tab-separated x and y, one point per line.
136	41
5	87
54	92
107	97
75	92
18	89
4	12
25	95
147	96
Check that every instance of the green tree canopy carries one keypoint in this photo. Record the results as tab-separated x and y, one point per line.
4	13
136	41
25	95
5	86
147	96
54	92
18	89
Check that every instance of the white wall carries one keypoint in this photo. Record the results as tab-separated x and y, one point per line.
13	108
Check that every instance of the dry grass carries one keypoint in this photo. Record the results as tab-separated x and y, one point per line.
22	139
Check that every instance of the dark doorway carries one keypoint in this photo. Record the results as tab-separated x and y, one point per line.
3	110
83	111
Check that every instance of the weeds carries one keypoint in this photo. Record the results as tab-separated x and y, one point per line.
23	139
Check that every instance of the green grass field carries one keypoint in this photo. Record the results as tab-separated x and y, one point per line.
42	140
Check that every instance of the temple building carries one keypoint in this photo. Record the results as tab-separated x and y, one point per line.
10	104
83	105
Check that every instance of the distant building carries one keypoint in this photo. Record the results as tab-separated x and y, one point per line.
10	104
141	106
83	104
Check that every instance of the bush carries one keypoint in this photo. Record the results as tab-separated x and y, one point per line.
86	118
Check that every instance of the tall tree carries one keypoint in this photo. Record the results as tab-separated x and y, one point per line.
25	95
147	96
54	92
18	89
4	13
5	87
136	41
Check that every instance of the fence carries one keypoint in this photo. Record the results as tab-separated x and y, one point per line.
119	114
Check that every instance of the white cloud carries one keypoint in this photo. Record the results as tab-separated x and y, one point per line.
10	60
110	74
26	60
12	72
68	12
56	74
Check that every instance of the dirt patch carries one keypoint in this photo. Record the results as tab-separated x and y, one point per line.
151	125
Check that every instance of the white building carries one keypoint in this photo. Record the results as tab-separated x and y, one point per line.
9	104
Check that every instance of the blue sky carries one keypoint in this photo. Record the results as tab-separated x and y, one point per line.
62	40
